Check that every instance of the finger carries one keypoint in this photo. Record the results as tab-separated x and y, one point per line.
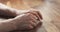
33	18
33	21
30	27
34	14
37	14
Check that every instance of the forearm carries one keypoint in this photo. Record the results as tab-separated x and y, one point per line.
10	24
5	10
7	25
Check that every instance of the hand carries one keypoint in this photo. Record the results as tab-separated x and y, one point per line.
28	21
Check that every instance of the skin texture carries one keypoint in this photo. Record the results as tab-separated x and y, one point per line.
25	21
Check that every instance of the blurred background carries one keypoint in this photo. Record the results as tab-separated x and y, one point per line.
21	4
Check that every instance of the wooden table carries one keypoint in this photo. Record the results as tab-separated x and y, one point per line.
51	15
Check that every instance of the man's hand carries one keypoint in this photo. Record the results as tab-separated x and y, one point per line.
28	21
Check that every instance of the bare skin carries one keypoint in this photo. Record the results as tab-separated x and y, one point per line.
25	21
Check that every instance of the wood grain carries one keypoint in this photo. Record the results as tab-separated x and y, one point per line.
51	14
